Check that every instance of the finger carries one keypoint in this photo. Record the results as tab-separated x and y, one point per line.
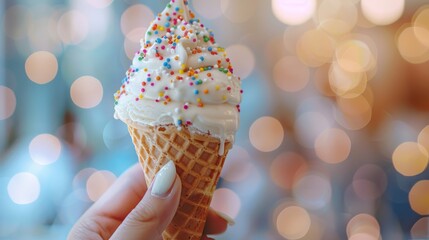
155	211
110	210
217	222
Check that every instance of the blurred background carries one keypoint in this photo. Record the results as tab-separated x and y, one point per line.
334	134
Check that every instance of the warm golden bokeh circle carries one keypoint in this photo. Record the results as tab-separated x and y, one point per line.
226	201
136	16
293	222
266	134
41	67
410	158
291	13
333	146
242	58
423	138
363	224
382	12
86	92
419	197
409	45
420	229
290	74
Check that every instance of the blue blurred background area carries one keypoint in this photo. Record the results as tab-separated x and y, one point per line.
334	135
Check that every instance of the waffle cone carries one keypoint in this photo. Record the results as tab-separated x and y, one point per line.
198	165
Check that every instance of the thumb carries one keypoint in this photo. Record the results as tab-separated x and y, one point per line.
155	211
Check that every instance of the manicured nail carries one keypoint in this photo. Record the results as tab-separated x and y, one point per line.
164	179
227	218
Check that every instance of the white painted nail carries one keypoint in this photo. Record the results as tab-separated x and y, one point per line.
164	179
227	218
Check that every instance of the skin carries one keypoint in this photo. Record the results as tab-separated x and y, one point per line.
129	211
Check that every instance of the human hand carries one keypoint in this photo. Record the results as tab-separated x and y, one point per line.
129	210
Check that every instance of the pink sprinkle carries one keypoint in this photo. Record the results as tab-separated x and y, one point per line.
185	107
143	90
166	88
152	84
194	40
137	99
162	47
191	83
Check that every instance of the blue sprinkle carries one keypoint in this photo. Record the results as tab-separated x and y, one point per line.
149	79
179	37
167	25
201	58
179	122
168	59
196	91
156	32
193	78
210	49
158	40
137	69
174	44
147	42
168	18
177	9
165	64
169	66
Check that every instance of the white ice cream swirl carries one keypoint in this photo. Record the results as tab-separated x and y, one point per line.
181	76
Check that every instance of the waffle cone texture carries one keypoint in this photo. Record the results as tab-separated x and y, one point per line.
198	165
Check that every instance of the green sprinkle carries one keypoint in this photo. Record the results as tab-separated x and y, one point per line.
206	39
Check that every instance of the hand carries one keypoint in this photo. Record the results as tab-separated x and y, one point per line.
127	211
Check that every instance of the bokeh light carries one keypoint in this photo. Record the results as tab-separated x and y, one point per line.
419	197
98	183
23	188
410	158
423	138
41	67
293	12
73	27
313	191
136	16
242	58
293	222
208	9
347	84
410	47
420	229
421	21
235	12
336	17
86	92
266	134
315	48
353	113
365	226
100	3
382	12
369	182
45	149
333	146
287	168
290	74
8	102
354	56
226	201
237	166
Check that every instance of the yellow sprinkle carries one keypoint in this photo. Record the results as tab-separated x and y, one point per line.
181	71
161	28
141	96
224	97
198	99
183	66
161	94
229	74
181	11
219	49
201	69
217	87
145	69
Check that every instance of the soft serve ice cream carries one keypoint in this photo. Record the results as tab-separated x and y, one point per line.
181	76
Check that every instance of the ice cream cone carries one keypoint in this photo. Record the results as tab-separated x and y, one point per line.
198	165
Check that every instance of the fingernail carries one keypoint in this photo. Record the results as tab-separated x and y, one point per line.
227	218
164	179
